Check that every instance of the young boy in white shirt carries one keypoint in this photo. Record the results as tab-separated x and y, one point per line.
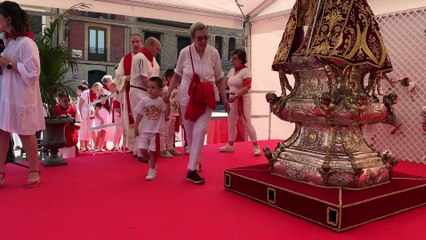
151	112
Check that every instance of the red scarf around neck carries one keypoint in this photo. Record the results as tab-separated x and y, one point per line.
147	54
240	67
12	36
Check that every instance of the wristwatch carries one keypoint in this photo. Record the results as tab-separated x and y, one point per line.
9	65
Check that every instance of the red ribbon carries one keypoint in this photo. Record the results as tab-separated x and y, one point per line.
148	55
240	67
12	36
240	103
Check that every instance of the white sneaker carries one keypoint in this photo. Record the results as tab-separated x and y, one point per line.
226	148
151	175
257	151
174	151
166	154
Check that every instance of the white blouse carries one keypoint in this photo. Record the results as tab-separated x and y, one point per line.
209	68
236	81
21	106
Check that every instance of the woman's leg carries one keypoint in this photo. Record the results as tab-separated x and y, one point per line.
196	141
247	119
29	143
232	122
4	148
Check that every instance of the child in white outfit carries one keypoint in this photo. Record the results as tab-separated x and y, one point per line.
167	136
151	112
102	117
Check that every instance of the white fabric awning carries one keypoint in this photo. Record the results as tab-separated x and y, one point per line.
221	13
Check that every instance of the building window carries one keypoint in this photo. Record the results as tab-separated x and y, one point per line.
157	35
231	47
218	43
182	42
100	15
97	44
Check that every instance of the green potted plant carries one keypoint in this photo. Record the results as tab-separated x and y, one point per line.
55	62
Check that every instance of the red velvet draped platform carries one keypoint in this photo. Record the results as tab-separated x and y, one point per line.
336	208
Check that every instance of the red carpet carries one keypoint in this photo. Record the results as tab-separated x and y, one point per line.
106	197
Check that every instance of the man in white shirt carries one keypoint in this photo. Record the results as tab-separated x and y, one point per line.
144	66
122	79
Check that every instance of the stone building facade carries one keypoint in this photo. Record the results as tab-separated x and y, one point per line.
99	41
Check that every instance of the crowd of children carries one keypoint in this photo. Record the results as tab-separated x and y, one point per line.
100	119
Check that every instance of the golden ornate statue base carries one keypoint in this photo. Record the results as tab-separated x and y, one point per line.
330	105
330	156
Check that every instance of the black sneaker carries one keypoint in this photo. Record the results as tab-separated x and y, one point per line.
194	177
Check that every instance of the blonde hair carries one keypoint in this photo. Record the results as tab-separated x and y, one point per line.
97	86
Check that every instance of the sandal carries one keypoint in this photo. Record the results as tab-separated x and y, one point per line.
2	176
31	184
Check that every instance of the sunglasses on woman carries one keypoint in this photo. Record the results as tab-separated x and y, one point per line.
200	38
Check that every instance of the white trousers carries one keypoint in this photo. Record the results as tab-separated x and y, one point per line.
135	96
233	116
195	133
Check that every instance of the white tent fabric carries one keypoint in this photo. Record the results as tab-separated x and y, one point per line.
222	13
267	21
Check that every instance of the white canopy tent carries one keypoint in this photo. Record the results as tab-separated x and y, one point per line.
264	21
222	13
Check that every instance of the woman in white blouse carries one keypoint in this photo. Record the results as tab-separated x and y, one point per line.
202	59
21	106
239	83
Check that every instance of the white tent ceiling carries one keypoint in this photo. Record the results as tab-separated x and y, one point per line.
222	13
